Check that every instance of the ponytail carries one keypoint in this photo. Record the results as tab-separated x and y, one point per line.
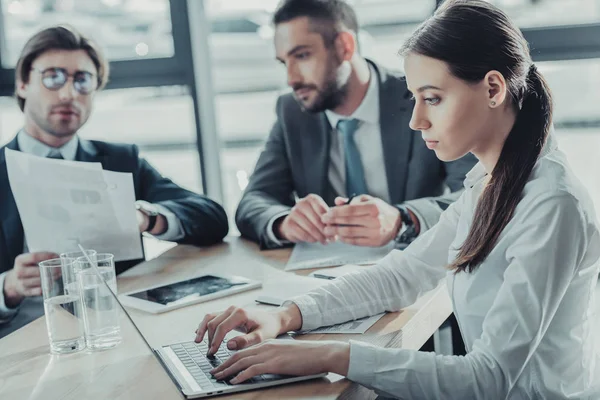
520	152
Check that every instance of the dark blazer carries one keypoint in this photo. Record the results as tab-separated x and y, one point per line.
295	162
204	222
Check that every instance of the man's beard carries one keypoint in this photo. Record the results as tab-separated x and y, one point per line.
50	128
328	98
331	96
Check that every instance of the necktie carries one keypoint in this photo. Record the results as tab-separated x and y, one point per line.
355	175
55	154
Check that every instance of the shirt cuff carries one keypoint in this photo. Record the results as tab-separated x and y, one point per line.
271	234
174	230
6	314
311	317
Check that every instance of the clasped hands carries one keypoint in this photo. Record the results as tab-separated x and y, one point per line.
366	221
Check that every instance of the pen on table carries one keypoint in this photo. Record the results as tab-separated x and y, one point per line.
269	300
321	276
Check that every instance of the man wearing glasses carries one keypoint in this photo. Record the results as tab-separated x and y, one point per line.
57	77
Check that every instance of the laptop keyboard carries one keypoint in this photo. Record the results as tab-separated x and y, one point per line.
193	356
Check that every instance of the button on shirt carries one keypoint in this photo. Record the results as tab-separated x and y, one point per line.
68	151
525	313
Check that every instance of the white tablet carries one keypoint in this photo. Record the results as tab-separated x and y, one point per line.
158	299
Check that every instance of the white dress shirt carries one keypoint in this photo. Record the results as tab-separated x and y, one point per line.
526	313
68	151
368	141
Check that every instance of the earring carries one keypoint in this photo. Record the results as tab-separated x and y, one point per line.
493	104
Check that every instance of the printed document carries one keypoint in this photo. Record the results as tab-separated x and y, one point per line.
62	203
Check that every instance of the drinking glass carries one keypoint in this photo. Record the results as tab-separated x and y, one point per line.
100	309
62	305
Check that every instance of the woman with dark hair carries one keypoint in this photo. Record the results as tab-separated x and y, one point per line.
519	250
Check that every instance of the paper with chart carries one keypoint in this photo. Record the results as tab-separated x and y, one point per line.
317	255
358	326
65	202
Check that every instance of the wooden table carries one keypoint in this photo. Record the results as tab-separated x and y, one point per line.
130	371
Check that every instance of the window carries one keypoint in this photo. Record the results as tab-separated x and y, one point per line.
538	13
126	29
574	88
372	13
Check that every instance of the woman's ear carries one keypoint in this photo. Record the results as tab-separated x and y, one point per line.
496	88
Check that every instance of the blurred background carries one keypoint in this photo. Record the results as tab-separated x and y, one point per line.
194	82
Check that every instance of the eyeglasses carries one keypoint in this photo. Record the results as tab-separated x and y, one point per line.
55	78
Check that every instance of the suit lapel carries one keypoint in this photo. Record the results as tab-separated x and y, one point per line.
396	136
87	152
10	219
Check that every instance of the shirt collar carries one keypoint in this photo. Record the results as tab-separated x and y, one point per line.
478	172
30	145
368	110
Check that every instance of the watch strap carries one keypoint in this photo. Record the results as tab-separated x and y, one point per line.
151	222
408	232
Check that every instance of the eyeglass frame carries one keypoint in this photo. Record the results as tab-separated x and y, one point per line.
68	75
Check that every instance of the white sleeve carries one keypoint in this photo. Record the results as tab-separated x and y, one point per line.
6	314
174	230
542	262
396	282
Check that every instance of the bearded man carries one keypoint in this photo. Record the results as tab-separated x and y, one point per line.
342	133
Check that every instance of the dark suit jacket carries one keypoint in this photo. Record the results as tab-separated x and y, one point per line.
204	222
295	161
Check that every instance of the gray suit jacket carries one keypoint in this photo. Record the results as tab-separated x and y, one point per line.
295	161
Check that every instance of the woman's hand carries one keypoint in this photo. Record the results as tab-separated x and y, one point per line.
257	324
286	357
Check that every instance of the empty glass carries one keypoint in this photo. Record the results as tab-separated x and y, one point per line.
100	309
62	305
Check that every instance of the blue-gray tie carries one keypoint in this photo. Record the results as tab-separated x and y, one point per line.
355	175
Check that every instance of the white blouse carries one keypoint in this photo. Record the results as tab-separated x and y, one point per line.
526	313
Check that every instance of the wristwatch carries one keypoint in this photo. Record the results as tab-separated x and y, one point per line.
408	232
150	210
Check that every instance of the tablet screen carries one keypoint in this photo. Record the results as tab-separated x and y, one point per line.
190	289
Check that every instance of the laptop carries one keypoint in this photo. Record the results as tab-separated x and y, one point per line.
188	366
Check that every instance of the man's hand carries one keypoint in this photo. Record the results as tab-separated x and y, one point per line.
24	279
304	223
367	221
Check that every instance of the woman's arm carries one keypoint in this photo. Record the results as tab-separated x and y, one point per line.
554	250
396	282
